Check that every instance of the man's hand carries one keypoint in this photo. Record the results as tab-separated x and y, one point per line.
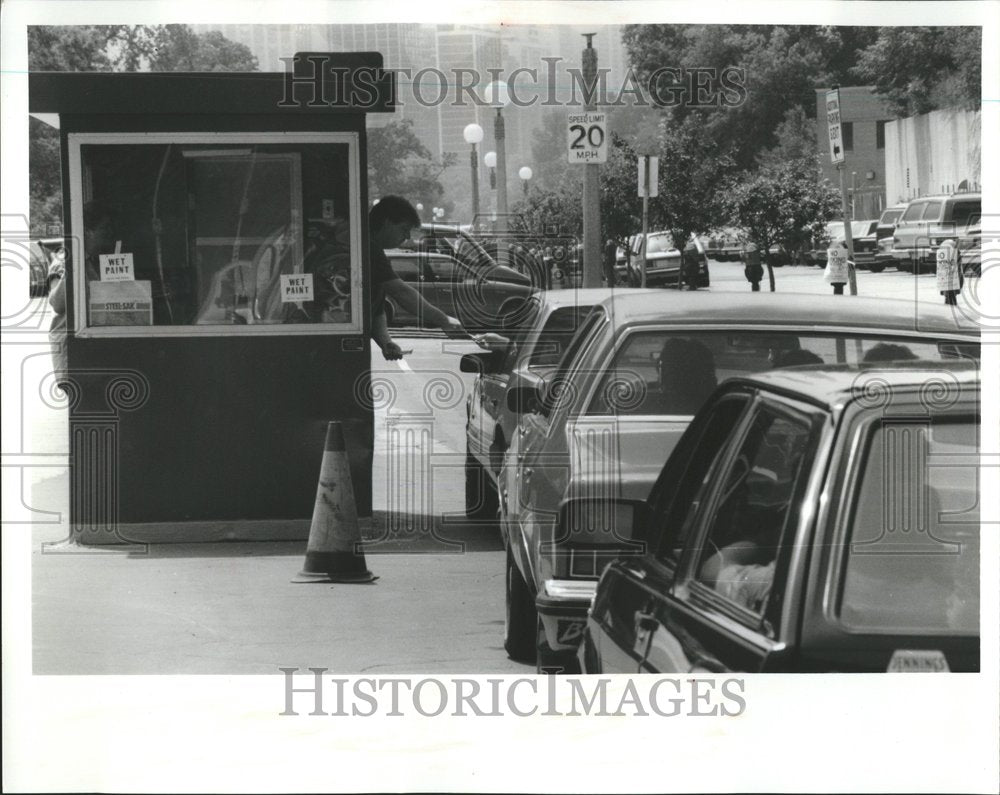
391	351
453	328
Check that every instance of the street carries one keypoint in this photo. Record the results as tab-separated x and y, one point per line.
230	607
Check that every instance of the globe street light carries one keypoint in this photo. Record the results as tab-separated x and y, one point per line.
490	159
525	174
473	134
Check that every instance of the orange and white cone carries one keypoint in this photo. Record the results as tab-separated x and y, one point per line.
333	552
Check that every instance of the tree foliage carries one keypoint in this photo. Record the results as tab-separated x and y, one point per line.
105	48
785	204
783	67
398	163
920	69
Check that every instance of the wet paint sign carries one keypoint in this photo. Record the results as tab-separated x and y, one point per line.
296	287
117	268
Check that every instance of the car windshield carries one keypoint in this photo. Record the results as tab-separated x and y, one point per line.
913	560
890	216
669	372
658	243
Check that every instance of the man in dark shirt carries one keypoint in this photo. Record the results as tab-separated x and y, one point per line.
390	223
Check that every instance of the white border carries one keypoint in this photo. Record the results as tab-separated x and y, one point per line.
76	140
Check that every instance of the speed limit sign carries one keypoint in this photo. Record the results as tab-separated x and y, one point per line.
587	137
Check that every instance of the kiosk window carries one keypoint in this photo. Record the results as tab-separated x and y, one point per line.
207	234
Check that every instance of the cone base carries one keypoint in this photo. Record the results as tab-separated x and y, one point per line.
345	578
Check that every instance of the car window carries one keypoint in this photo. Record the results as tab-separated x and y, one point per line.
930	583
672	373
931	212
964	212
890	216
757	501
405	268
659	243
914	211
444	269
557	334
679	490
568	364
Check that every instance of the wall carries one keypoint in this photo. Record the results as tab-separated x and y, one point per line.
932	153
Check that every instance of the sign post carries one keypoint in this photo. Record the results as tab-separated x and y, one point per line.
588	142
649	186
837	158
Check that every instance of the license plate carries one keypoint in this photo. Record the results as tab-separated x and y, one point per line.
918	661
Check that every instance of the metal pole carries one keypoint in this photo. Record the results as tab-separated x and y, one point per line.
645	223
499	132
591	181
852	280
474	162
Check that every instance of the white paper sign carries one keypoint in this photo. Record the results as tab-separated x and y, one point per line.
117	268
836	266
947	268
296	287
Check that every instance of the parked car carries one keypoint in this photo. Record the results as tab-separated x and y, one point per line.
533	347
795	528
663	260
970	250
926	222
866	246
604	421
834	233
473	294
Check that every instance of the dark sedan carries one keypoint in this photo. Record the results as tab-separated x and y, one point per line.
475	295
811	519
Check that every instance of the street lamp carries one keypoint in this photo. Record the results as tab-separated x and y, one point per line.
490	159
497	96
525	174
473	134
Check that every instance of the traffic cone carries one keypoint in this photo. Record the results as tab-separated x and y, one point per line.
333	552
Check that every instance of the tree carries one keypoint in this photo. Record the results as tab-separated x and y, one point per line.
781	205
546	209
920	69
693	170
398	163
783	65
103	48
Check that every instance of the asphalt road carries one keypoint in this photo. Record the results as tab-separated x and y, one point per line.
230	608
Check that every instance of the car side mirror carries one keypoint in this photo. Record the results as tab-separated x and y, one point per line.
607	520
481	363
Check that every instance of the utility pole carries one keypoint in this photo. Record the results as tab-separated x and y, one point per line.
591	180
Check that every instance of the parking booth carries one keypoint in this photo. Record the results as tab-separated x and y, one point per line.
217	293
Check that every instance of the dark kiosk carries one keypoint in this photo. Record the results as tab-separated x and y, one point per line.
217	293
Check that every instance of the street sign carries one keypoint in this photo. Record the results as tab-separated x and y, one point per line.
652	178
833	125
587	138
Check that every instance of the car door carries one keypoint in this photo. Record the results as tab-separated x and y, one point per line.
723	610
623	614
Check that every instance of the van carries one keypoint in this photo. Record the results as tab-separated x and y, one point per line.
926	222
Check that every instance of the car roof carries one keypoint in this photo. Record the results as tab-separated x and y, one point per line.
584	295
833	385
942	196
407	252
763	309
